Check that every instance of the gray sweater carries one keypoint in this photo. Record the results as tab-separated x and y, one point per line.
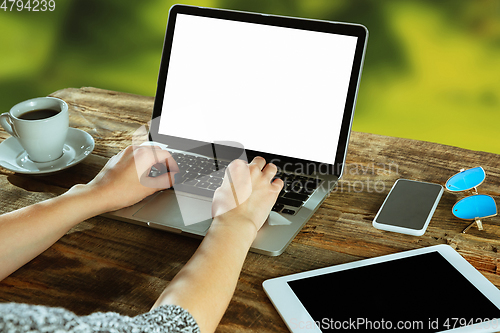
15	317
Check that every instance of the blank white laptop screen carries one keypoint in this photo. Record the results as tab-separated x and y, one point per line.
272	89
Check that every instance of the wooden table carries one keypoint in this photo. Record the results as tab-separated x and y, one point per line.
106	265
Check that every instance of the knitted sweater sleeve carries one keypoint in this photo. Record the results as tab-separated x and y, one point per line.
15	317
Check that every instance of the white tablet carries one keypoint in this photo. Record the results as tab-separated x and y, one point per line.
432	289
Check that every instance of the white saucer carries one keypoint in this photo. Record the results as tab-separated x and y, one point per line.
79	144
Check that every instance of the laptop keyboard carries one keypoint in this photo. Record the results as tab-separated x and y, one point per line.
201	175
296	190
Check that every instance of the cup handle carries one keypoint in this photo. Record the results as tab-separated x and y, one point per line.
7	124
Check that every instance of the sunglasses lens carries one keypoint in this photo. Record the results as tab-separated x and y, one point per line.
475	207
466	180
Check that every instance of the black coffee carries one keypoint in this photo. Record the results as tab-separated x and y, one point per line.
38	114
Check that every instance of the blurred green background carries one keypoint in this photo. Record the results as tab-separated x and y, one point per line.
432	68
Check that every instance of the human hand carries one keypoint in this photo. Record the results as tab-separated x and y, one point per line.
124	179
247	193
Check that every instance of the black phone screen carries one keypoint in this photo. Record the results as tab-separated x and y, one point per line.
409	204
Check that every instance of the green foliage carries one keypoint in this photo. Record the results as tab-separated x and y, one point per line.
431	69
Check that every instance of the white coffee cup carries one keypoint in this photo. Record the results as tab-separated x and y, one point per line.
43	136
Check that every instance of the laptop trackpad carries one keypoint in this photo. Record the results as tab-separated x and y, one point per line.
178	211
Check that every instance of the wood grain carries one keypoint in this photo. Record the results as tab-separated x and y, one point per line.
106	265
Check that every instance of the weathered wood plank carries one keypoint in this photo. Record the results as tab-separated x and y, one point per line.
110	117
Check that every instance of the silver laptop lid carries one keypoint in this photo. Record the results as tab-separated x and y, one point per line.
284	88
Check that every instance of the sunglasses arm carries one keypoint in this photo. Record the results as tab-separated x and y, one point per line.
479	226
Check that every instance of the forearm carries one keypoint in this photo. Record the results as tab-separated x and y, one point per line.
27	232
205	285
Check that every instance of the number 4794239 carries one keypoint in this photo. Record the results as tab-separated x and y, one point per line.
28	5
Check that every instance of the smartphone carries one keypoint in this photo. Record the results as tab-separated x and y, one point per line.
409	206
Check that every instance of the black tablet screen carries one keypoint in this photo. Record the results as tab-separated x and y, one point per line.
419	293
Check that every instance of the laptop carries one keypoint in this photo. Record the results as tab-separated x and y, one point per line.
238	85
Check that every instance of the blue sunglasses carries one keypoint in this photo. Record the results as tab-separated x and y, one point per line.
474	207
